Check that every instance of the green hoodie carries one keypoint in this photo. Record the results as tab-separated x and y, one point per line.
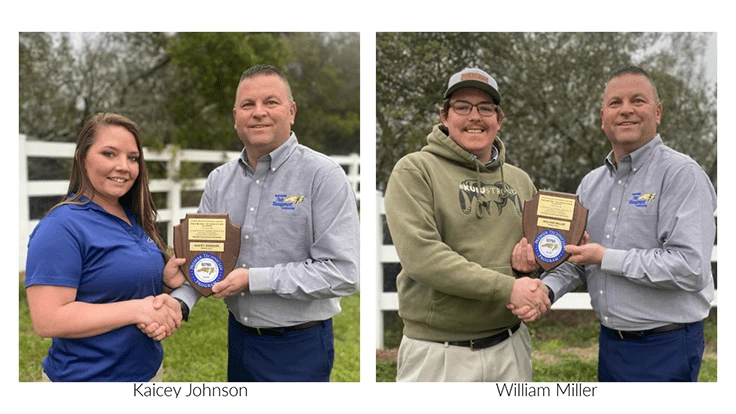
454	228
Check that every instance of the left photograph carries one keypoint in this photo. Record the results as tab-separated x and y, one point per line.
189	207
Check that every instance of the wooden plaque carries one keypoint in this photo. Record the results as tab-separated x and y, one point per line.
551	221
211	245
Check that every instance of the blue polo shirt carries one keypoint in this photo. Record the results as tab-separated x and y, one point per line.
106	260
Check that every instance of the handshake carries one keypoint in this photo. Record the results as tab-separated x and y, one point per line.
529	297
160	316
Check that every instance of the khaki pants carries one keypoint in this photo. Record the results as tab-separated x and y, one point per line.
425	361
156	378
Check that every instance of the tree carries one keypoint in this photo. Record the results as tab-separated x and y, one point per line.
552	86
47	110
64	79
324	72
180	87
208	67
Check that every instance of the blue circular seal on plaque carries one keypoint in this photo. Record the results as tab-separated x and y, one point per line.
549	246
206	269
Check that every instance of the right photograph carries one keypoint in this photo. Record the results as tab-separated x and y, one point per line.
547	208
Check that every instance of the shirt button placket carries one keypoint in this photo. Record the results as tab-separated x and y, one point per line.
249	225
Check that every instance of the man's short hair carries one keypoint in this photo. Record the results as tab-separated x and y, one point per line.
635	70
266	70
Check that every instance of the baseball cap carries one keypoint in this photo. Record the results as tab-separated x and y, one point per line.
473	78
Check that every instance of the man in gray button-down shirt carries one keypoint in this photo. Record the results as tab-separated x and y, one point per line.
651	229
299	248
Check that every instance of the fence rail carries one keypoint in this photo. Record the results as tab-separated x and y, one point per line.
172	186
389	301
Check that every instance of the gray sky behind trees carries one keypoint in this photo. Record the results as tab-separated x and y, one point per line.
711	57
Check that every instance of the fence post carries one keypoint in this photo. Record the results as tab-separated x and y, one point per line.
389	302
379	273
354	173
173	195
172	185
24	214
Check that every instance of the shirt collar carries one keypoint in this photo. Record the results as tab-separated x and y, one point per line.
276	157
85	203
494	154
637	158
282	153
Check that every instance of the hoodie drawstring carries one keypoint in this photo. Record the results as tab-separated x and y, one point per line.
478	211
504	191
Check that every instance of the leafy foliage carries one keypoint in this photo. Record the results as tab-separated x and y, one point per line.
64	79
180	87
552	87
325	80
208	67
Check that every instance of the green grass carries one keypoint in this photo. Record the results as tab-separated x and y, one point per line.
32	348
564	348
198	351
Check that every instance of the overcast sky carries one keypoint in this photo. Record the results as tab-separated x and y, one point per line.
710	57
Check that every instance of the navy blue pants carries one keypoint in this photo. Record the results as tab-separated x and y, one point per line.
303	356
669	357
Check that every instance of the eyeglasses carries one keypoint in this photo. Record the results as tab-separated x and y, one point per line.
464	108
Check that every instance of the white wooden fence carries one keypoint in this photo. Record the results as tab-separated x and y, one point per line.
174	212
389	301
173	157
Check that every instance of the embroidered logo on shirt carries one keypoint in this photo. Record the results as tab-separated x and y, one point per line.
287	202
641	200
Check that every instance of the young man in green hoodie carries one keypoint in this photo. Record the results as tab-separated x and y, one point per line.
454	213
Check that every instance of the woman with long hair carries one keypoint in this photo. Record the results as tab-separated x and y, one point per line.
96	263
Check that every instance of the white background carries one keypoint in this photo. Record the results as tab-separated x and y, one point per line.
368	18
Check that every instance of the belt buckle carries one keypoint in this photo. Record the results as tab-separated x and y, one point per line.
620	334
259	331
472	344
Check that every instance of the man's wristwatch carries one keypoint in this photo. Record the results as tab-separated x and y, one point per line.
184	309
550	294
